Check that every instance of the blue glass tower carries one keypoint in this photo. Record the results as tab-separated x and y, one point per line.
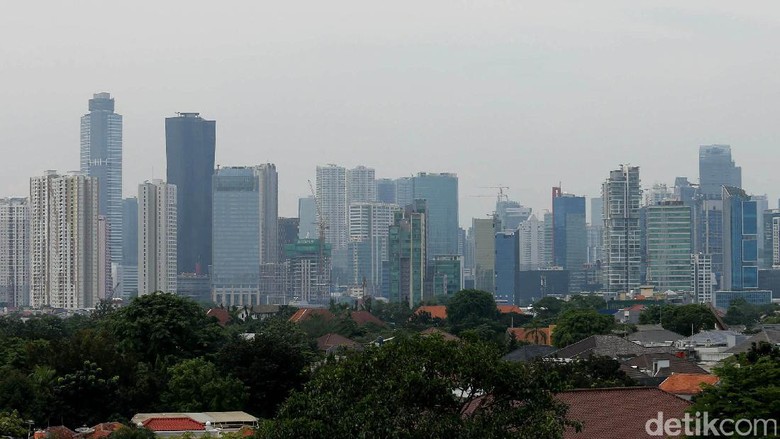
441	194
570	238
740	240
507	265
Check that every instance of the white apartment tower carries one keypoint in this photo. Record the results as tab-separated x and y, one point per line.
368	230
157	224
621	258
702	277
531	244
64	241
332	200
14	251
361	185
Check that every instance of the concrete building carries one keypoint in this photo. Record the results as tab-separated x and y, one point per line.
63	241
570	239
511	214
441	194
702	278
369	225
622	196
446	275
332	197
407	254
128	268
404	191
190	146
385	191
771	238
101	158
105	275
361	185
507	265
157	232
708	233
531	236
717	169
740	240
307	215
669	246
309	281
14	252
485	230
289	230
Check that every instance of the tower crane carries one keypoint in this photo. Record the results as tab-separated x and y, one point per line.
321	227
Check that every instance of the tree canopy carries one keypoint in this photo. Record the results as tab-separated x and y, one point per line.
679	318
578	324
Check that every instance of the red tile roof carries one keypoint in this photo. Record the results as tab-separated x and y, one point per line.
687	383
542	336
618	412
436	311
104	430
221	314
364	317
60	432
443	334
173	424
306	313
506	309
328	341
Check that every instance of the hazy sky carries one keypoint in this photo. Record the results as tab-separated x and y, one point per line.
522	94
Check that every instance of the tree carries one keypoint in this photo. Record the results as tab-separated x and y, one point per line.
468	306
422	387
11	424
593	372
132	432
197	386
584	302
548	308
86	396
579	324
742	313
679	318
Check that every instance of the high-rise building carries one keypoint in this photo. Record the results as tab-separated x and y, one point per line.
485	230
762	205
771	239
708	233
101	158
658	193
361	185
128	269
570	238
622	196
717	169
307	215
441	194
64	241
507	265
369	224
308	280
385	191
407	258
740	240
105	275
245	231
702	277
531	236
190	143
547	246
595	230
14	252
288	233
511	214
332	198
669	246
157	244
684	191
404	191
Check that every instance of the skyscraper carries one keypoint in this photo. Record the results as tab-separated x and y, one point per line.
128	270
14	252
332	198
441	194
385	190
717	169
368	230
307	214
105	275
531	238
771	239
570	239
622	196
64	241
361	185
507	265
157	244
669	246
190	143
101	158
485	230
702	277
511	214
407	259
404	191
740	241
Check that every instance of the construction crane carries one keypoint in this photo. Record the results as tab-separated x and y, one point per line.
501	195
321	227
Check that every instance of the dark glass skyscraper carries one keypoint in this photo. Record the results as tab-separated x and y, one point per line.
570	238
190	147
740	240
441	194
717	169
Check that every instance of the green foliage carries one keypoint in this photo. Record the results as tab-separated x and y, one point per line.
132	432
679	318
11	424
422	387
578	324
471	308
547	309
197	386
594	372
392	313
86	396
584	302
742	313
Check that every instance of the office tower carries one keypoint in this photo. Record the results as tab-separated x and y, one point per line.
63	241
128	269
684	191
361	185
307	214
385	191
485	230
531	235
547	247
105	276
708	233
332	199
771	224
468	257
441	194
717	169
776	242
511	214
101	158
309	270
595	230
596	211
157	244
446	275
622	199
404	191
406	250
740	241
657	193
190	143
762	205
368	230
669	246
702	277
245	231
507	265
14	252
288	233
570	238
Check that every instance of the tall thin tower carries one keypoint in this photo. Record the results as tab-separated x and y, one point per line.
622	199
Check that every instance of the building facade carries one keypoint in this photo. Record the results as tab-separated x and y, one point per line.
309	271
507	265
740	240
332	199
485	230
369	225
669	246
64	241
622	195
307	216
385	191
407	254
446	275
531	235
717	169
570	237
361	185
128	268
157	232
190	143
441	194
14	252
702	278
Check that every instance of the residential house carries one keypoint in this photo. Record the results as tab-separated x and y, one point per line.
605	345
651	336
686	385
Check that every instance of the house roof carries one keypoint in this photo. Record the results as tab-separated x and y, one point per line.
332	340
634	308
265	309
436	311
605	345
768	334
687	383
232	418
104	430
60	432
182	423
436	331
715	338
365	317
528	353
506	309
222	315
618	412
656	335
307	313
676	364
540	335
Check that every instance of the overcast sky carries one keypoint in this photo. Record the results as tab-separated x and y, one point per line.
521	94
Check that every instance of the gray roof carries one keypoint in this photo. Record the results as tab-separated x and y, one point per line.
768	334
715	338
605	345
659	335
529	352
676	364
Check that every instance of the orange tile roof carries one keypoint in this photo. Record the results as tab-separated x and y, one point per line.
221	314
363	317
306	313
328	341
542	337
436	311
687	383
506	309
173	424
